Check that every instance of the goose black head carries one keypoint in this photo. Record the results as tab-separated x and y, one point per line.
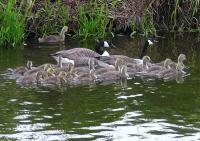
148	43
100	47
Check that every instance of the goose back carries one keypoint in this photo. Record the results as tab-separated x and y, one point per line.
77	53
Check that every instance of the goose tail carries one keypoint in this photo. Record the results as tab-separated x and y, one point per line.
53	54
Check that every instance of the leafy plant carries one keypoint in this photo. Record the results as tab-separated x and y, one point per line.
12	26
92	20
147	26
54	17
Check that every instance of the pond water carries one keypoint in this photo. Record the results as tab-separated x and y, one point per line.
136	110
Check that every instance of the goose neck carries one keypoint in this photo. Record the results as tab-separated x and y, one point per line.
63	31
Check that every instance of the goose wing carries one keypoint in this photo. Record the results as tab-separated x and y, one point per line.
77	53
50	39
83	61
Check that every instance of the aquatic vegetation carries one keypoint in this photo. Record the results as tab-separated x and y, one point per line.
92	22
54	17
147	26
176	14
12	26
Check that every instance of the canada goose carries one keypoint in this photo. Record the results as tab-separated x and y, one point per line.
21	70
83	79
104	43
79	57
52	39
111	59
29	79
147	43
43	67
181	58
69	55
86	69
100	47
87	77
154	70
118	63
114	75
172	71
55	80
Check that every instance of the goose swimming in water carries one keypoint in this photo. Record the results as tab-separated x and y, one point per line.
147	43
114	75
181	58
52	39
21	70
55	80
118	64
172	71
105	43
155	69
79	57
111	59
30	79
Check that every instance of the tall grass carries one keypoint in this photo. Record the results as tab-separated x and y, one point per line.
54	17
93	20
147	25
12	26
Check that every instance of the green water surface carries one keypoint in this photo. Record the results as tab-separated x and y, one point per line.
141	109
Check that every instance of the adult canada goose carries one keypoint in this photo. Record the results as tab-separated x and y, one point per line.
79	57
105	43
21	70
52	39
69	55
102	44
111	59
148	42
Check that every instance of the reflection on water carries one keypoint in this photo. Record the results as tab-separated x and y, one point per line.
140	109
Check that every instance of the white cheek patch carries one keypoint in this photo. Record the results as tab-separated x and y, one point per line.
150	42
105	44
105	54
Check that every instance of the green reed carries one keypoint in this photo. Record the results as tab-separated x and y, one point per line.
12	26
54	17
147	26
92	20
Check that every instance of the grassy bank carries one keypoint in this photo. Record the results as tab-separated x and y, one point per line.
12	25
21	19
